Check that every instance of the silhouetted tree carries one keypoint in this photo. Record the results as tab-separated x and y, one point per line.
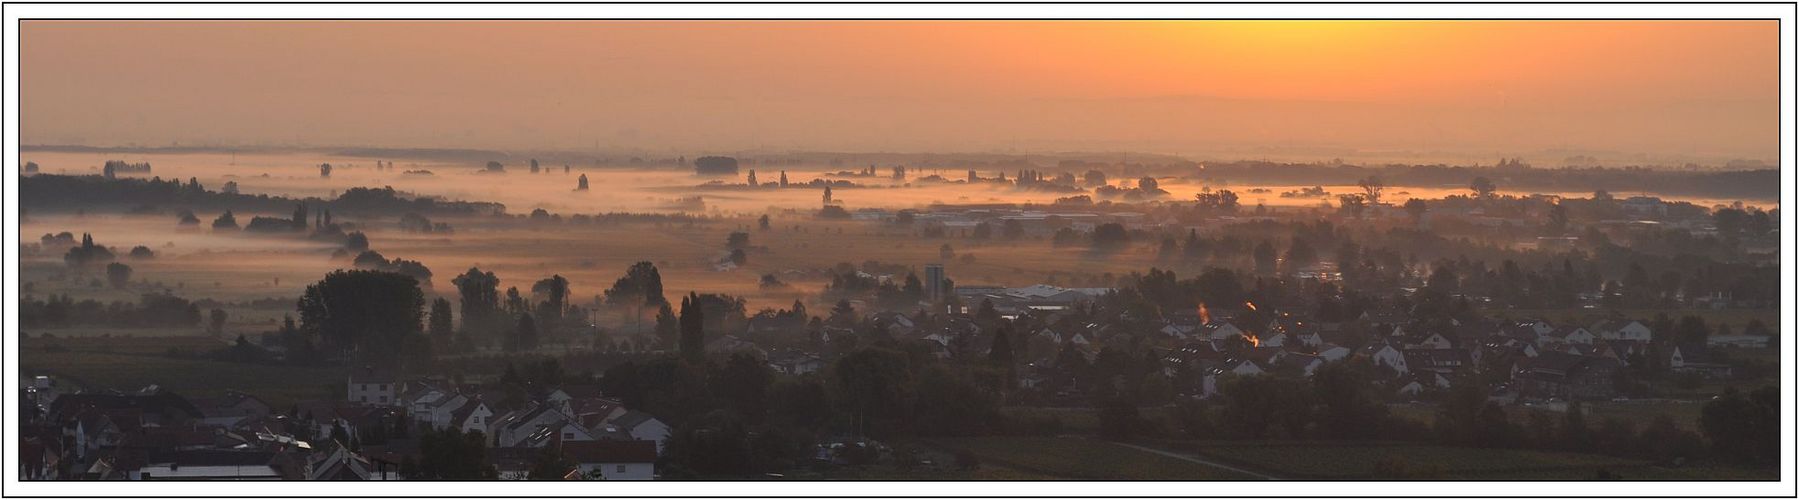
118	275
1482	187
371	313
641	284
216	324
441	329
1372	188
479	292
524	335
225	222
693	329
1416	208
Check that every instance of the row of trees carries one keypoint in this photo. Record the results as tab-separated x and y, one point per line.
151	311
518	322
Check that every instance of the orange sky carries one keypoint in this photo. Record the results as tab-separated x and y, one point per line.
1679	88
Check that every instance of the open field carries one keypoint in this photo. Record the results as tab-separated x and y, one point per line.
1085	420
1333	460
138	362
112	342
240	267
1638	413
1080	458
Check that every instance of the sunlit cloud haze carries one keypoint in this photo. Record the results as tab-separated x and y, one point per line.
1682	88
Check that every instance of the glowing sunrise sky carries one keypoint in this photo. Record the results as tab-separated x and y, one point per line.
1483	87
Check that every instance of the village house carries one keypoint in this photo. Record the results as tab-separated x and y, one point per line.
1440	361
1567	334
1421	381
641	426
340	464
230	409
591	411
1622	329
612	460
534	423
1219	329
795	363
1567	376
373	387
1431	340
1382	354
1692	358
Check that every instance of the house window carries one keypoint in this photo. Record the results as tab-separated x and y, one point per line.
384	399
568	435
620	469
383	387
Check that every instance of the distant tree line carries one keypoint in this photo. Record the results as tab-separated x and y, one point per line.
1712	183
151	311
64	192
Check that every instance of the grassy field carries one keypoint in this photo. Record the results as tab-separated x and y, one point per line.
131	364
1078	458
1085	420
1637	413
1407	460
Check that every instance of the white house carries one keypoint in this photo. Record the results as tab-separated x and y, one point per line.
642	427
438	410
373	389
613	460
420	400
1385	355
472	416
1616	329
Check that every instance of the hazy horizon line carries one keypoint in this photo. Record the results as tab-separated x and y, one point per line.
1237	154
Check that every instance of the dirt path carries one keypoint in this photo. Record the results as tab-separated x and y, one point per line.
1207	463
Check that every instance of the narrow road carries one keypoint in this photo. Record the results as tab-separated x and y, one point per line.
1207	463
